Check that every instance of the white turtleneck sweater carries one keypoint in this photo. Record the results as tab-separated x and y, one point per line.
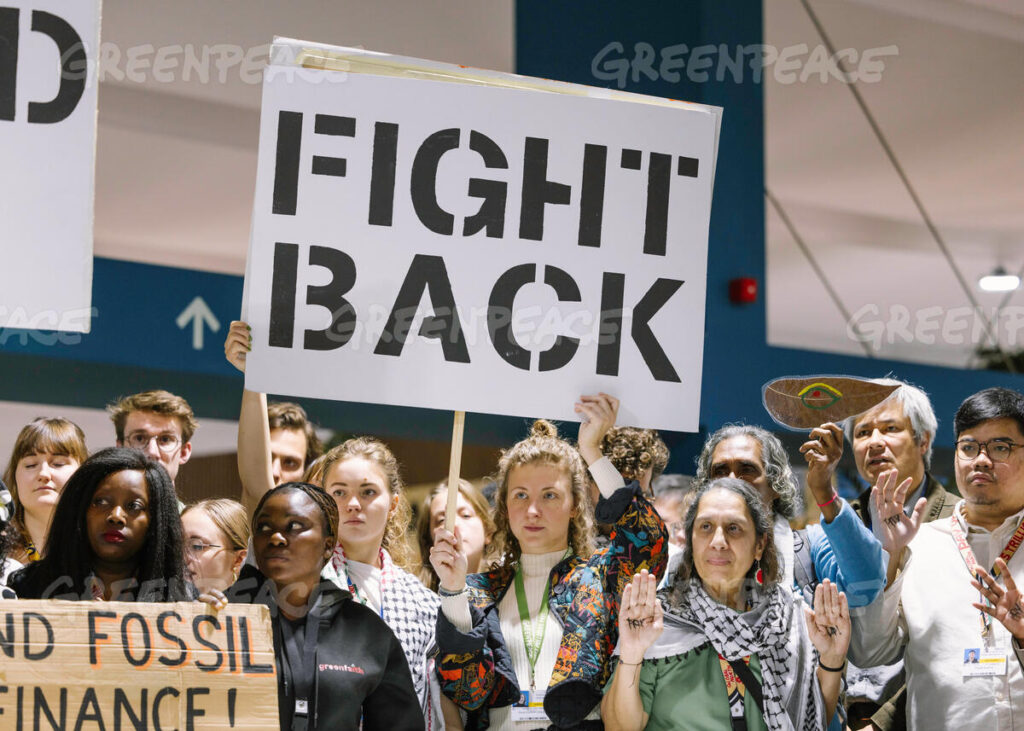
536	568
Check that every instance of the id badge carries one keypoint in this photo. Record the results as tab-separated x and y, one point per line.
981	663
530	706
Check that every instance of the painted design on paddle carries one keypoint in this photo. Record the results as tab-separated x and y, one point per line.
819	396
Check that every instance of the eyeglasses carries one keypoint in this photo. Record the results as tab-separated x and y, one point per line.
998	450
198	548
166	443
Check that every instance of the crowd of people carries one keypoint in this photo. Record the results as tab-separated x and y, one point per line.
585	588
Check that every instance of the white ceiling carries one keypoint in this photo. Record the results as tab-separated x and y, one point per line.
176	160
952	107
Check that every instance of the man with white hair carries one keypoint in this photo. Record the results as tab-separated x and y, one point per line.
895	435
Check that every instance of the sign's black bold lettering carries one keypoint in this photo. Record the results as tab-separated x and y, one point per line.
331	296
423	181
426	274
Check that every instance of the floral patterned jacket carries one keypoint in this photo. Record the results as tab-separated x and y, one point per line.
476	669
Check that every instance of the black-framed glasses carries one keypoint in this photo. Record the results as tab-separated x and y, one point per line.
198	548
998	450
167	443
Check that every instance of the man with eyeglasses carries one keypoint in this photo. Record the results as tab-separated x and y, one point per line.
157	422
953	582
897	434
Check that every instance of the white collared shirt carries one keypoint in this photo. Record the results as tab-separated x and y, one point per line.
928	610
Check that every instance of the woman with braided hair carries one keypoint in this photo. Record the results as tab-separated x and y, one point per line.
526	644
727	645
339	666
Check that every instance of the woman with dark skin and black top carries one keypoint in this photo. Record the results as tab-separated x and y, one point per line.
339	665
115	535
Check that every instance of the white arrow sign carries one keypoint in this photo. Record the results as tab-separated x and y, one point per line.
198	313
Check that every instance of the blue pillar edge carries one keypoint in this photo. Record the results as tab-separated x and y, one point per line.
559	39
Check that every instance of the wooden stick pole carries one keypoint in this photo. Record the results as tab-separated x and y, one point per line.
454	469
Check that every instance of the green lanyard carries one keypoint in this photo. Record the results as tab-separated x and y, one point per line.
533	630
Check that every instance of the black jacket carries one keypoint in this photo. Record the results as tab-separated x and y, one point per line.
361	671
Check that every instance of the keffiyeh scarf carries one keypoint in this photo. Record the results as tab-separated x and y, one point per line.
770	635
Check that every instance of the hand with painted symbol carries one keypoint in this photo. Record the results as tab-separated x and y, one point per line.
898	529
1005	603
640	617
829	624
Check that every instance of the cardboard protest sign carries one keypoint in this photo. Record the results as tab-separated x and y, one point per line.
480	243
809	401
48	147
122	665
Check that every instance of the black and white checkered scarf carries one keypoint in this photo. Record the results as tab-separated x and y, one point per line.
779	639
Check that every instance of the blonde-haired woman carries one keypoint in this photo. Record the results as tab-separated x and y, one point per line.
216	542
373	557
46	453
526	644
476	527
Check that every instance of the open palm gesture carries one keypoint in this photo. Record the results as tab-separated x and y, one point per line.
897	528
829	624
1004	603
640	617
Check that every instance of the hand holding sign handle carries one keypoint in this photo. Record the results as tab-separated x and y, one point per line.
454	467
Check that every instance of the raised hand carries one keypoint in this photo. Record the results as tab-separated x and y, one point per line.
238	344
1006	604
640	617
822	451
597	416
448	557
829	624
896	528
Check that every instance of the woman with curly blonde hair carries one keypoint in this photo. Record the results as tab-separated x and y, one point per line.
372	558
503	656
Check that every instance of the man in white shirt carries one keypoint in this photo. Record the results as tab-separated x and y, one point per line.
929	604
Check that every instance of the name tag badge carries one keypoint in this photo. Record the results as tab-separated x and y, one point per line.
530	706
981	663
301	707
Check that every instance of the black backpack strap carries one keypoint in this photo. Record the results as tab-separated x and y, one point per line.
750	683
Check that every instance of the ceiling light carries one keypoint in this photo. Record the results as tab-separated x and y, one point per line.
999	281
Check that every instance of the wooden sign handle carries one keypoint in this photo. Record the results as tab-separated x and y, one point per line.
454	468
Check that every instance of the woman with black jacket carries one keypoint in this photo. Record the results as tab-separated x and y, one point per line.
338	663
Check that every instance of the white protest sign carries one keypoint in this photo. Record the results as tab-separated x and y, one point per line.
48	147
477	247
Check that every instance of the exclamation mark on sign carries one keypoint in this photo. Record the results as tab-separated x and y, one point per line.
231	706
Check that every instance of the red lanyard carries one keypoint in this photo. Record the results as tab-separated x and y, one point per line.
968	556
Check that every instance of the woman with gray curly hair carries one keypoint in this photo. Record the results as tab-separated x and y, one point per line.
727	645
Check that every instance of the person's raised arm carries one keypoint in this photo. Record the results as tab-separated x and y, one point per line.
822	451
897	529
640	624
254	461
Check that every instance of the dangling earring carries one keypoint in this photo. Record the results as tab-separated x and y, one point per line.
758	573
